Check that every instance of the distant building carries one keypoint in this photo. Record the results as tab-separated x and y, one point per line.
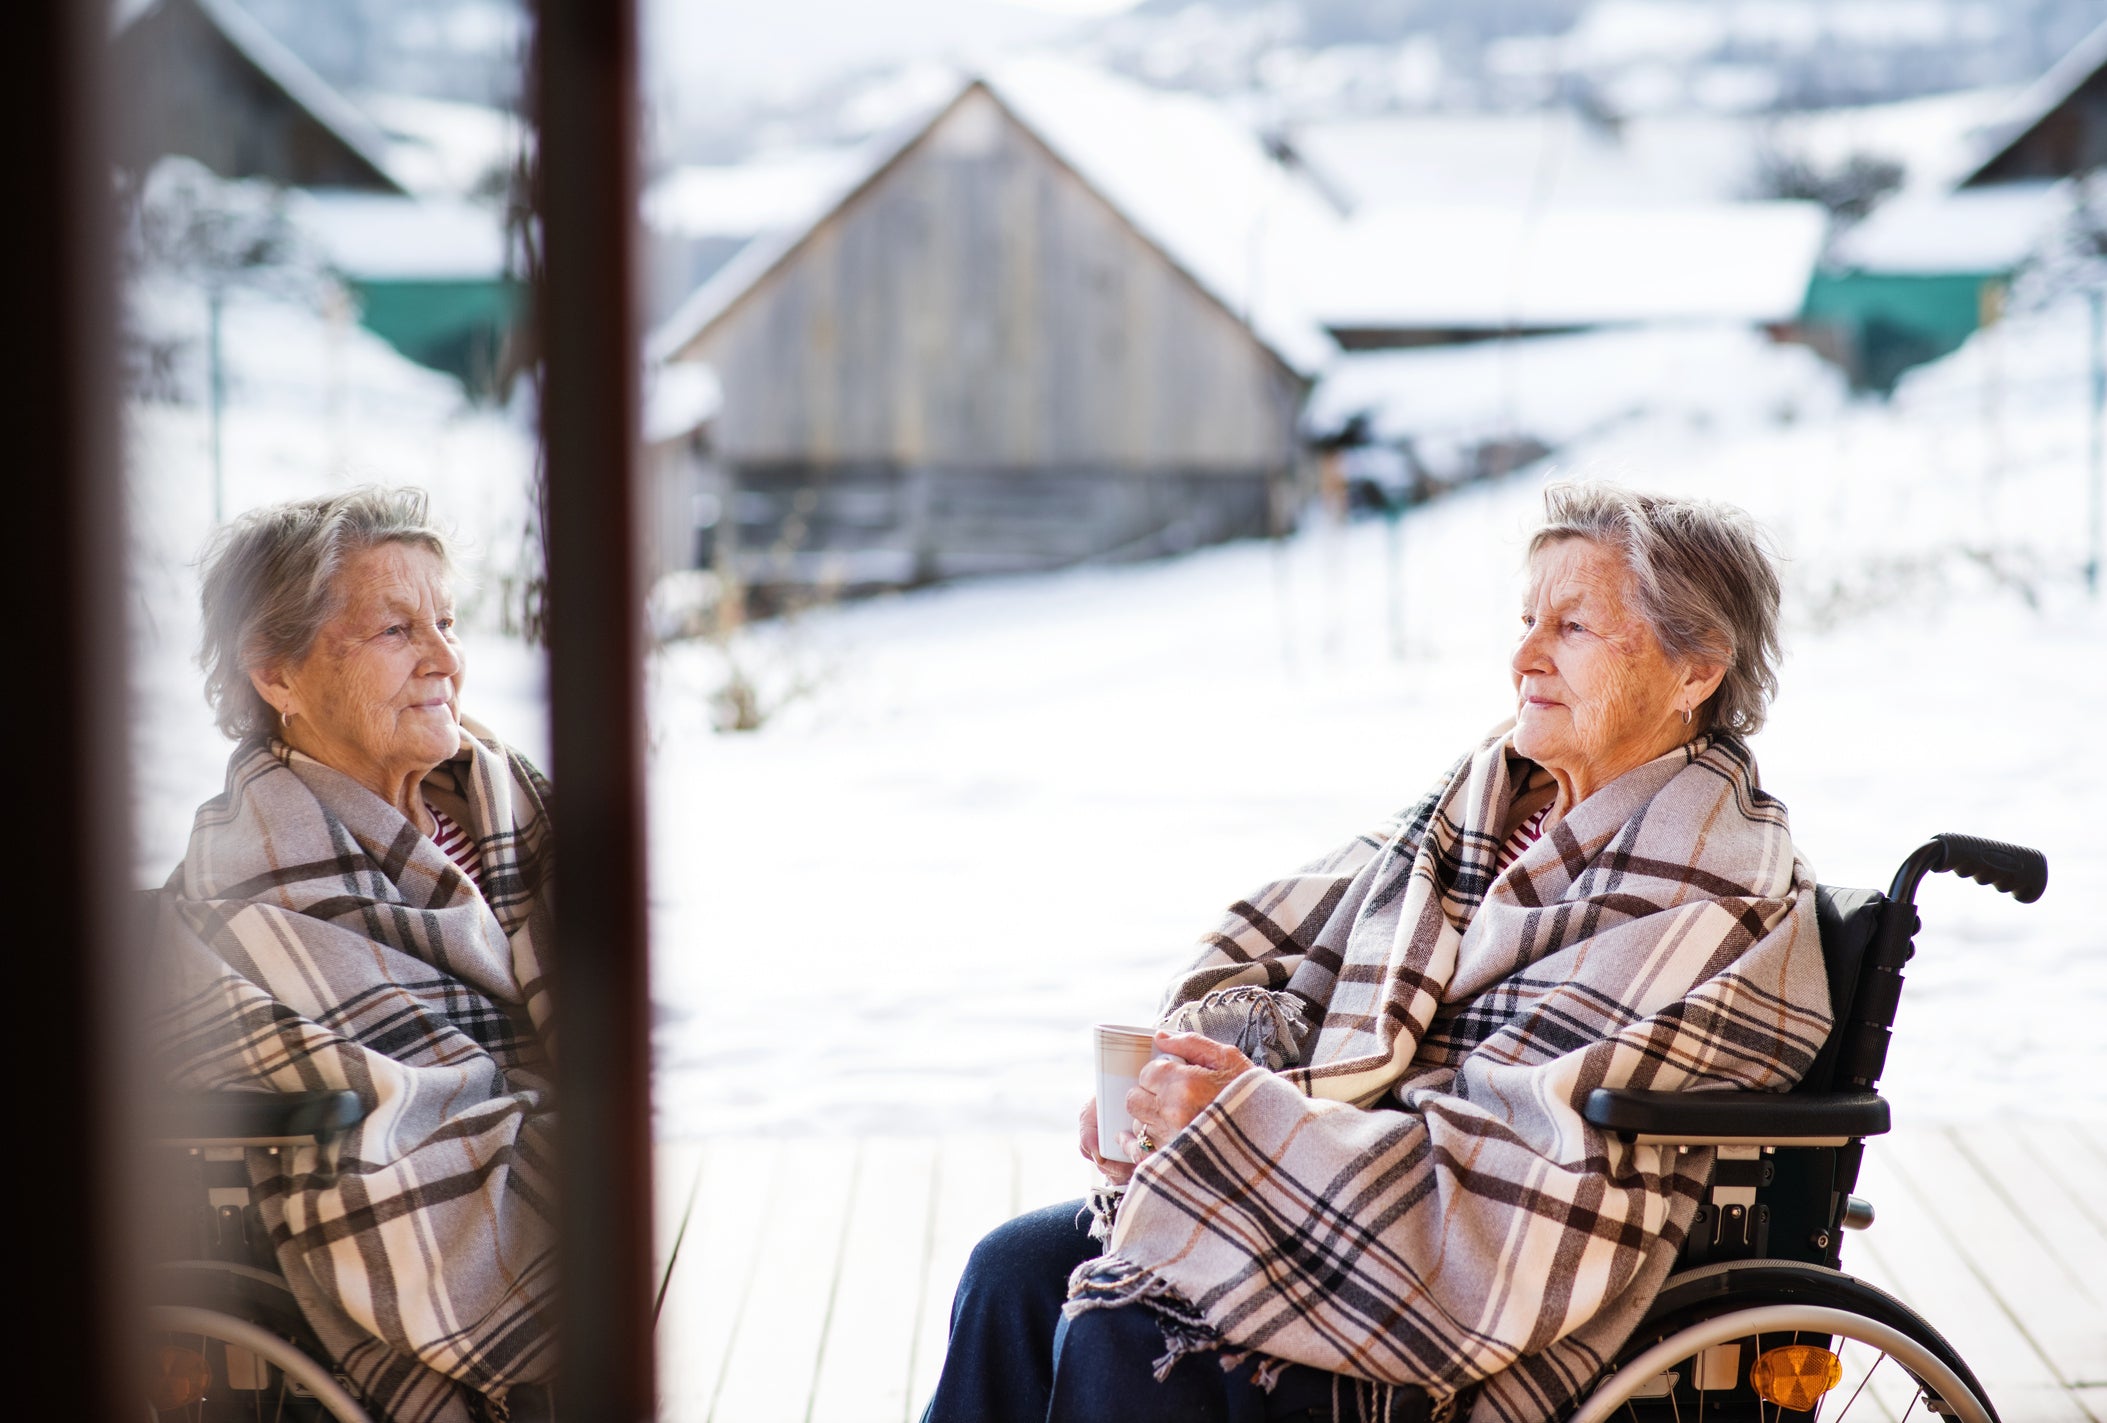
203	79
2058	127
1544	157
1923	273
1931	266
429	276
1412	275
682	510
1053	322
425	267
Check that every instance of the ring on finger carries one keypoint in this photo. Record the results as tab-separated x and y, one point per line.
1147	1143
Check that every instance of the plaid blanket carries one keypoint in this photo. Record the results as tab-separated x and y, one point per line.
1412	1198
315	939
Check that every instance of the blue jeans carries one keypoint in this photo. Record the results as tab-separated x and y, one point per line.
1014	1359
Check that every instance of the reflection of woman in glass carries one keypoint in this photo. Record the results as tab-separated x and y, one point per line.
1366	1186
360	908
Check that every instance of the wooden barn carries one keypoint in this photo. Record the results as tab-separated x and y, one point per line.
204	79
1053	322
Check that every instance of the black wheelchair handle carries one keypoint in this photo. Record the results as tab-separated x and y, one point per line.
2015	869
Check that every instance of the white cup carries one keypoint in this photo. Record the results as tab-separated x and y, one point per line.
1121	1054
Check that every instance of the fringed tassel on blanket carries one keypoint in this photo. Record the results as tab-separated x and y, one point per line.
1102	1206
1389	1403
1265	1026
1265	1370
1111	1283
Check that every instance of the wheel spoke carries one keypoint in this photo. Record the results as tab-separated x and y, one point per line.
1841	1413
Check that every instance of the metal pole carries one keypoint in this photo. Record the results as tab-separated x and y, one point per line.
2098	450
1394	547
587	310
67	836
215	305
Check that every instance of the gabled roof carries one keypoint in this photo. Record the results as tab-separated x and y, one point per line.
1193	182
444	146
1985	231
1552	156
384	237
2041	99
289	74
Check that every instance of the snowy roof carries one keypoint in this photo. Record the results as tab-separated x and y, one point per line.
679	399
2041	98
1480	268
1558	157
1512	159
444	145
1970	230
1194	180
1937	138
766	194
291	75
382	237
1561	388
1187	176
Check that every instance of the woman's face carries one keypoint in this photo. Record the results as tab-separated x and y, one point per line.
378	695
1595	694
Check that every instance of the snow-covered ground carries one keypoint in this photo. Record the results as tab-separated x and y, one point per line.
1006	809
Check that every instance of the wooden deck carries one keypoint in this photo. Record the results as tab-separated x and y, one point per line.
812	1280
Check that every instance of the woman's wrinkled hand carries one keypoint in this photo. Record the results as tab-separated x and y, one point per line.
1117	1172
1172	1091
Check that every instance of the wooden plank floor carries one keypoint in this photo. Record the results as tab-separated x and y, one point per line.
812	1279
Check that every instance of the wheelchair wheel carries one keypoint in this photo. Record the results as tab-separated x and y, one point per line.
1693	1356
231	1344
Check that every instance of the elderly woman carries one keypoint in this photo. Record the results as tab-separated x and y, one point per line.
360	908
1365	1188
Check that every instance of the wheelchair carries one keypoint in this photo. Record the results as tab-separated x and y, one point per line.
1757	1318
227	1339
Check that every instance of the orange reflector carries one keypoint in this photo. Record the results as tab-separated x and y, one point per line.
178	1378
1796	1376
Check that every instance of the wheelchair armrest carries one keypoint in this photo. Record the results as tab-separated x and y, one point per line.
216	1119
1736	1118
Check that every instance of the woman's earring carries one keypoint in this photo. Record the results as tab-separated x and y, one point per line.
1686	716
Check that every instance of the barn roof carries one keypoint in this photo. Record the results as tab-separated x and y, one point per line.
1190	179
2041	99
289	74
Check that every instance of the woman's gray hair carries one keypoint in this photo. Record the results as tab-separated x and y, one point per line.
270	585
1706	580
